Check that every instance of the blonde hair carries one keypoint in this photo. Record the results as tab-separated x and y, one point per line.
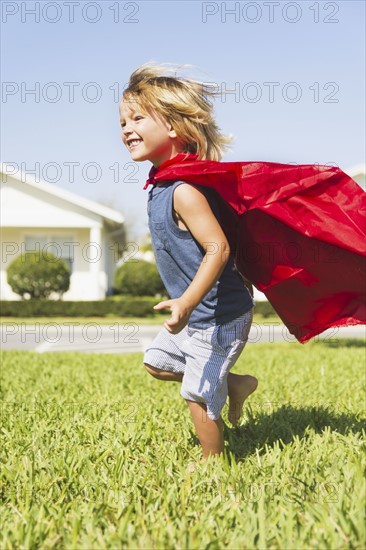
184	103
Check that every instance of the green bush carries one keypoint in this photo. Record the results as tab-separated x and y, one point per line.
265	309
38	274
118	306
129	306
139	278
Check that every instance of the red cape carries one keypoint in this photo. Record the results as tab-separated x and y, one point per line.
297	232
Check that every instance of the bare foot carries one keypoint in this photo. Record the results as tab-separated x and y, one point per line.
240	388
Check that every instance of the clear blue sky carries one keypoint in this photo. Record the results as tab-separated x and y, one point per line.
321	50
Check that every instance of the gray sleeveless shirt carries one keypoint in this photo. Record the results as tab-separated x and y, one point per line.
178	256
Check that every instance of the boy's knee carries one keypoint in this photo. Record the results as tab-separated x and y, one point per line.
152	370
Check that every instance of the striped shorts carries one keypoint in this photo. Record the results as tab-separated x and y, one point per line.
204	357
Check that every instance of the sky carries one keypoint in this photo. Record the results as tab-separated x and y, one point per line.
296	71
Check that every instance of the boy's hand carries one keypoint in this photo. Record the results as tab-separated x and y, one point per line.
181	312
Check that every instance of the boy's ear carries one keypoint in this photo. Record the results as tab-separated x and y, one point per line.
171	131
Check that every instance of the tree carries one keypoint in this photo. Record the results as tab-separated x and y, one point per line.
38	274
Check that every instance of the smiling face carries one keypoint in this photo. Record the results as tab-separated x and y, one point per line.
147	136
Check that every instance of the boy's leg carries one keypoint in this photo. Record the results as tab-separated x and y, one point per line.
240	386
164	359
209	432
164	374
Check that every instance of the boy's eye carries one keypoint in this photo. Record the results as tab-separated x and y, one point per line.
136	118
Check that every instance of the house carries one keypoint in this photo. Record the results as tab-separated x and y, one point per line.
39	215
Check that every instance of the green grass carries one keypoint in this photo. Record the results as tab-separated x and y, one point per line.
95	453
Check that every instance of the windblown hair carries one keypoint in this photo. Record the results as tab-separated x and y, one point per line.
184	103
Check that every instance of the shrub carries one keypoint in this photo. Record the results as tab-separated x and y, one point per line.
265	309
118	306
139	278
129	306
38	274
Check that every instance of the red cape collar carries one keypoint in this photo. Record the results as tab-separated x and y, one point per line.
180	157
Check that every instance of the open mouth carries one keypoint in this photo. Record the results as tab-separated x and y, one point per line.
133	143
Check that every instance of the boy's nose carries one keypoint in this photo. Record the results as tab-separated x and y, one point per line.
125	129
126	133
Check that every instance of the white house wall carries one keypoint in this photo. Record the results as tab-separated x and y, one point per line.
88	279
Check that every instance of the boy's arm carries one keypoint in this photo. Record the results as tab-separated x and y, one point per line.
195	212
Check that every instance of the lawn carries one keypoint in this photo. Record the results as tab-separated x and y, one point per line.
95	455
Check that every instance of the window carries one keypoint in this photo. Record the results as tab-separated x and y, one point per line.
59	245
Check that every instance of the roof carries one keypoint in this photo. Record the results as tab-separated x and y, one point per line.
104	211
